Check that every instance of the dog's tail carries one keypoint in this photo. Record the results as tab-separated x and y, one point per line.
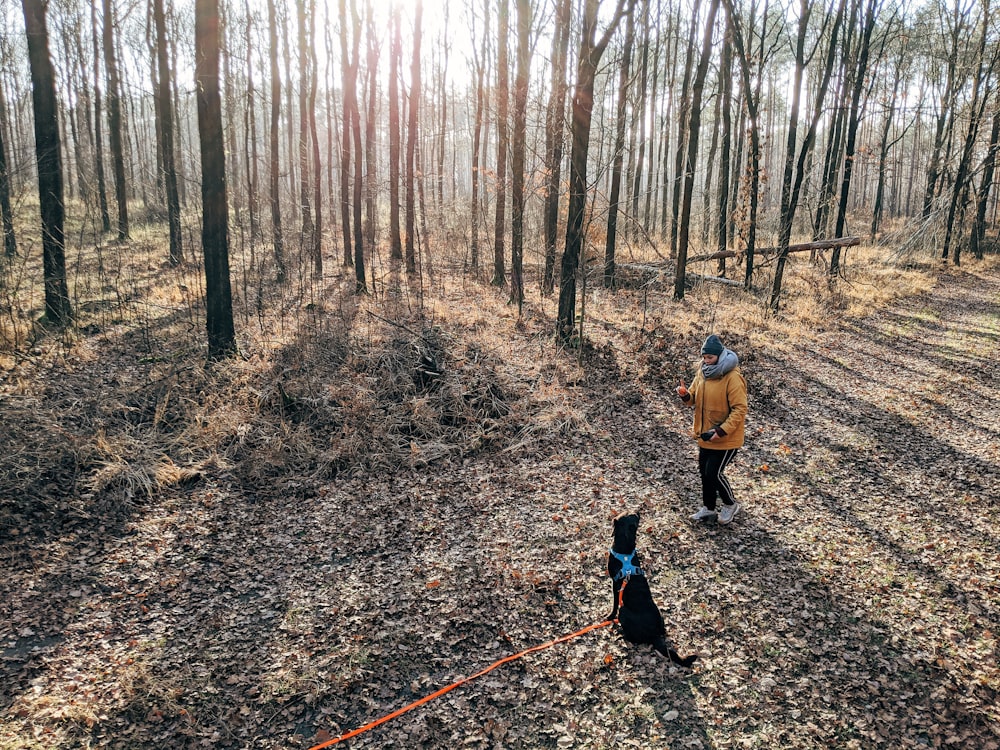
664	648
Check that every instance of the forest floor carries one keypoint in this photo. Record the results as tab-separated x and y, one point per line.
377	518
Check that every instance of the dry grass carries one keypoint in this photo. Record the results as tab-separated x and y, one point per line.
427	369
121	409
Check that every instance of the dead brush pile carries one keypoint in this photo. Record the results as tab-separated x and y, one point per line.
331	405
90	438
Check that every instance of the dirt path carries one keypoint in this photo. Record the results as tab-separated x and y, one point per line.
853	605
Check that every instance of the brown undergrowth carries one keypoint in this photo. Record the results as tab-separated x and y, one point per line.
383	494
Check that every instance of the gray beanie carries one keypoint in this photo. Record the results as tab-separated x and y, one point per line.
712	345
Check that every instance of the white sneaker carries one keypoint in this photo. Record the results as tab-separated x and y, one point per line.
728	513
703	514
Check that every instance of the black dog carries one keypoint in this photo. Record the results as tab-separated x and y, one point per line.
637	613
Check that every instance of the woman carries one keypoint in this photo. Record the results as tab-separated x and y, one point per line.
719	397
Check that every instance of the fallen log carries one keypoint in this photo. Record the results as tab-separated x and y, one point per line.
797	248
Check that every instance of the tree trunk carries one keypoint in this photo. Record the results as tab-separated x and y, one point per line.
883	152
371	142
102	190
977	106
503	85
555	122
744	54
590	55
518	156
49	160
989	165
115	122
624	73
853	122
395	61
411	143
215	218
166	110
683	115
349	80
317	166
640	160
477	133
790	189
275	148
360	283
250	134
943	127
726	93
6	210
692	152
305	183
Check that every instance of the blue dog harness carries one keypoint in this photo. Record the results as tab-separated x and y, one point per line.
628	568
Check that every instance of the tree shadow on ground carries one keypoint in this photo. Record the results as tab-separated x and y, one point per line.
825	662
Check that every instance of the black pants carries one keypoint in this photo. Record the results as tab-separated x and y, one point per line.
714	485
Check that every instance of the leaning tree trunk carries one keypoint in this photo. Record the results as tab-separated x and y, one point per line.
215	209
49	160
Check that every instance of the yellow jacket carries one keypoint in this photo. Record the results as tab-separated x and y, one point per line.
719	402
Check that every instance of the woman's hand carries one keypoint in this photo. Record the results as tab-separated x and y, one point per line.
682	390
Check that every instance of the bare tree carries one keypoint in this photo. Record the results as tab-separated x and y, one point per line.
275	149
989	165
395	61
503	85
6	210
694	129
215	207
48	155
747	57
479	62
985	67
860	72
349	72
517	154
624	75
360	282
250	133
115	133
165	108
305	182
102	191
411	142
555	123
591	51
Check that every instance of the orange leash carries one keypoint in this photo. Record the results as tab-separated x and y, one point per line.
449	688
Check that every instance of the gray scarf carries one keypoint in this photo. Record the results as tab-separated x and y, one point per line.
726	362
